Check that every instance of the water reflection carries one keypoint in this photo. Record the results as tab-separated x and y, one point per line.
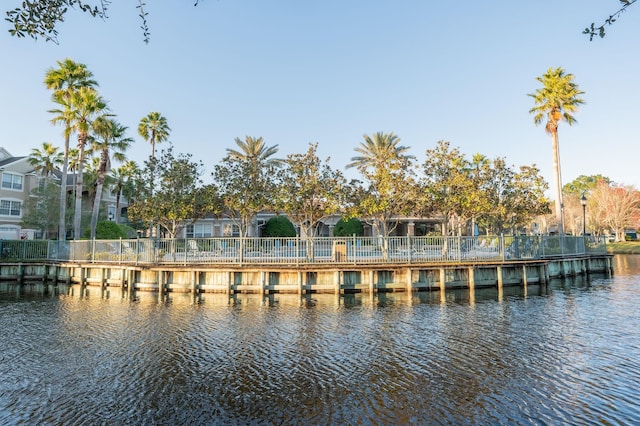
564	353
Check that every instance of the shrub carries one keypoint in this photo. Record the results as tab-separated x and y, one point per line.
346	228
108	230
279	226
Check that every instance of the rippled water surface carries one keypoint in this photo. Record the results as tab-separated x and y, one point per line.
568	353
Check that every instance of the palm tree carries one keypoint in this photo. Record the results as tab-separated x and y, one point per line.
556	101
64	80
154	129
109	141
83	105
46	159
122	180
378	151
254	151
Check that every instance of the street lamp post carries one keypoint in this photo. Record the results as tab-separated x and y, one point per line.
583	201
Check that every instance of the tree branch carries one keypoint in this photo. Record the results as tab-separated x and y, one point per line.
592	30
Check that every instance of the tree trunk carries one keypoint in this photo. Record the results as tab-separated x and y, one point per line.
77	217
62	231
96	206
557	175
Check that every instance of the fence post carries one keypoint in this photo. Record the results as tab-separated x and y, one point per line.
355	250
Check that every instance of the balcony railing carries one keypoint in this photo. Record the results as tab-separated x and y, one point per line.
297	251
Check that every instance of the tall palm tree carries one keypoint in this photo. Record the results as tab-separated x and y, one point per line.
558	98
122	180
255	151
154	129
64	80
378	150
46	159
110	140
85	105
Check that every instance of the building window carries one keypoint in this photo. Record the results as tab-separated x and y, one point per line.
230	230
199	230
10	208
11	181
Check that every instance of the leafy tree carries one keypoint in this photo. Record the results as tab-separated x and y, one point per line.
154	129
527	199
445	183
308	190
244	190
573	210
613	207
64	81
386	169
123	185
178	200
41	208
79	110
45	160
558	98
584	184
348	227
244	180
254	151
479	171
378	150
279	226
110	140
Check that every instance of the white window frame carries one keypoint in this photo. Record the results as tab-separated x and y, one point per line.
11	207
14	181
199	230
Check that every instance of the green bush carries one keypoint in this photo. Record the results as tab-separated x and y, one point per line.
346	228
108	230
279	226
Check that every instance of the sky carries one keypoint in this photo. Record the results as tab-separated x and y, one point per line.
300	72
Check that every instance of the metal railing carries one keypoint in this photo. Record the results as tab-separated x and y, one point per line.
297	251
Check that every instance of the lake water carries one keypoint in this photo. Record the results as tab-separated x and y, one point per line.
567	353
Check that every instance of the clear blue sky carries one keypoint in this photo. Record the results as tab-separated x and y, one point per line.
329	71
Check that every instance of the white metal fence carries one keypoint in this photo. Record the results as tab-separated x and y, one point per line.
295	251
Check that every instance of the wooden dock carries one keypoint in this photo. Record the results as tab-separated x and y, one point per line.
306	279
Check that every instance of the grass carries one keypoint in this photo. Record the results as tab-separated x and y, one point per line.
626	247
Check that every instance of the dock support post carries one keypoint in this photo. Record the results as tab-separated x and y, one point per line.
131	282
195	288
103	279
300	282
472	278
56	271
499	273
159	279
409	280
